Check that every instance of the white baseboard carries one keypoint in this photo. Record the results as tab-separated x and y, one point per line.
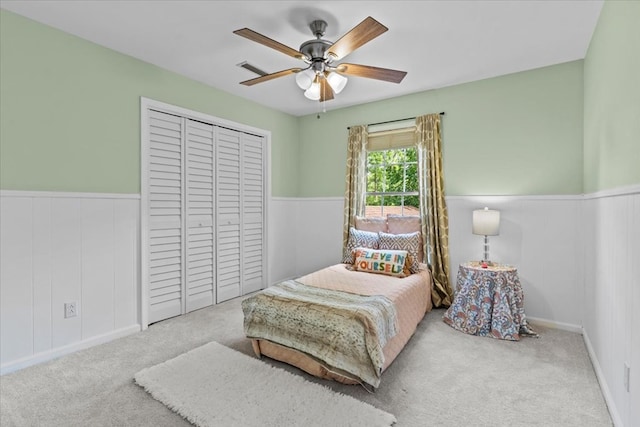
61	351
555	325
282	280
606	393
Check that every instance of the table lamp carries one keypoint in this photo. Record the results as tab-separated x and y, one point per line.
486	222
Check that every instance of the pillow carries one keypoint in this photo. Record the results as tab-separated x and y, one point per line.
406	242
381	261
398	224
374	224
359	239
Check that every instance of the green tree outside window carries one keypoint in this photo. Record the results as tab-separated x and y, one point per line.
392	182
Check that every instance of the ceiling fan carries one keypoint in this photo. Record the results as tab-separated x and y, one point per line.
323	75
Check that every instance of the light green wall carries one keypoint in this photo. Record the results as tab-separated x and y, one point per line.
612	99
70	113
511	135
69	121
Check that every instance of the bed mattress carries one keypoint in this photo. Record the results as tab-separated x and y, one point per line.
411	297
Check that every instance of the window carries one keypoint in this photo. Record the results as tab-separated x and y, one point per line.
392	182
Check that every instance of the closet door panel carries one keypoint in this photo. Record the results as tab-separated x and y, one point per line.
204	207
200	208
253	213
228	188
165	216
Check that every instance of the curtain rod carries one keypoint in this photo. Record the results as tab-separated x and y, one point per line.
392	121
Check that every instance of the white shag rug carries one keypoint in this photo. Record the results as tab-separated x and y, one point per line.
214	385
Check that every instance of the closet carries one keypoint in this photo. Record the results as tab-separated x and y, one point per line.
203	213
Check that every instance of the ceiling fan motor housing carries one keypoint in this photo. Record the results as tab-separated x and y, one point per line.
315	50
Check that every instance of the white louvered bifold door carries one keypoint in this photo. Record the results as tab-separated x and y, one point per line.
165	216
228	196
200	208
204	213
252	213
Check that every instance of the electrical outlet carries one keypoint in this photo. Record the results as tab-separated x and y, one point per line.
70	309
627	372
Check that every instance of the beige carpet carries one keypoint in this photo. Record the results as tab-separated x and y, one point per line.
442	378
213	385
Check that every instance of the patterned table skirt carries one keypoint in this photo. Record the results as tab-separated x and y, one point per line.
489	302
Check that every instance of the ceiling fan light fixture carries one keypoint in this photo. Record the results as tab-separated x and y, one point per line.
313	93
337	81
304	79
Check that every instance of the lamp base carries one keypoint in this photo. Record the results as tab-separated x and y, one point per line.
484	263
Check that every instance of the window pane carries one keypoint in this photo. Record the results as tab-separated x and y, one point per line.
412	177
373	211
373	206
390	201
374	179
394	176
412	205
412	155
375	157
395	156
374	200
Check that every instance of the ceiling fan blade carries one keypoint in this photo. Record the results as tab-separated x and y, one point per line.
271	76
326	92
362	33
370	72
264	40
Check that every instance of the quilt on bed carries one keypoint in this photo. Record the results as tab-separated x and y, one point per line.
346	331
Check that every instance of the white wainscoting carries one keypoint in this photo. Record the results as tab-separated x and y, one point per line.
59	248
283	232
542	237
612	296
319	240
305	234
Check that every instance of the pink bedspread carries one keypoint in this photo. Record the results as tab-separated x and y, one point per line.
411	296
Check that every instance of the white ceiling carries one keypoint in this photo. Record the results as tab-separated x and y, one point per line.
439	43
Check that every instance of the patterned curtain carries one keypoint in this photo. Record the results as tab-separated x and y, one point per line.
435	219
356	180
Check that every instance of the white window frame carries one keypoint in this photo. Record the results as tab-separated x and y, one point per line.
382	194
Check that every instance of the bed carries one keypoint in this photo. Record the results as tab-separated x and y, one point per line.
277	321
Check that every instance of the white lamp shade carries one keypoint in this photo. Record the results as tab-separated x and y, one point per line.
336	81
304	79
486	222
313	93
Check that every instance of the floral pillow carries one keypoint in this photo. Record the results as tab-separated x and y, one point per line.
409	242
381	261
359	239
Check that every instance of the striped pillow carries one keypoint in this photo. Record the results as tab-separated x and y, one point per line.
409	242
391	263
